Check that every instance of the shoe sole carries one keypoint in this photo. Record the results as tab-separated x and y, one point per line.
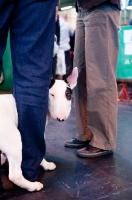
95	154
75	145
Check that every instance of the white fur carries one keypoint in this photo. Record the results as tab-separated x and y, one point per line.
10	138
59	106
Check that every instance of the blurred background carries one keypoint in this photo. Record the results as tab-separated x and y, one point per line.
68	6
124	63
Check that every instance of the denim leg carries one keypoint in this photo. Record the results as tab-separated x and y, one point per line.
32	37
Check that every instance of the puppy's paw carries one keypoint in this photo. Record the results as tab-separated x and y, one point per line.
35	186
47	165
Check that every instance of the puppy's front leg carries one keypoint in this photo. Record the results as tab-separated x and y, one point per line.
14	156
47	165
15	175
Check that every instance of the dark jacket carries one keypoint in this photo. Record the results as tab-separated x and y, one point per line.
130	23
88	4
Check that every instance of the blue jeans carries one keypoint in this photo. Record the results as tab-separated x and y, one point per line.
31	24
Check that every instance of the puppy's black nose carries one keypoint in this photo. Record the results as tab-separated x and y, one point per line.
60	120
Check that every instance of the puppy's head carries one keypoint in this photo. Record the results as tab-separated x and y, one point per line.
60	95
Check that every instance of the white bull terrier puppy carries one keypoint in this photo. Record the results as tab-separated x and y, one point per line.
10	138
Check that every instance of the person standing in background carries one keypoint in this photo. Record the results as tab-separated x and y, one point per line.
57	35
130	22
65	33
95	96
57	28
32	27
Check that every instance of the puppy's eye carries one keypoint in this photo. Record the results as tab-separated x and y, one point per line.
68	93
52	95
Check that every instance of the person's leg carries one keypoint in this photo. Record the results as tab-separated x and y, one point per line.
32	39
68	64
101	57
54	63
80	93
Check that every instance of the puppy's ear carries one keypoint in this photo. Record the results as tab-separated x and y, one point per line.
72	78
51	83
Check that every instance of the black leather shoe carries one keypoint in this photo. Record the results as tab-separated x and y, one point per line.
91	152
74	143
